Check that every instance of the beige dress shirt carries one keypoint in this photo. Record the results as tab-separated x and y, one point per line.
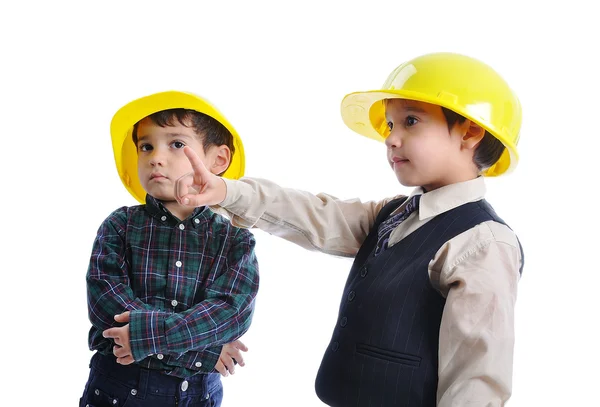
477	272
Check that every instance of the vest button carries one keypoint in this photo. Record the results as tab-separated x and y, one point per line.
335	346
343	322
364	271
351	295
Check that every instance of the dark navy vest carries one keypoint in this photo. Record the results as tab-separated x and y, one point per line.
384	348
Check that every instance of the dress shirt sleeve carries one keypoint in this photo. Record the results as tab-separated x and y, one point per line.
478	272
315	222
108	287
221	317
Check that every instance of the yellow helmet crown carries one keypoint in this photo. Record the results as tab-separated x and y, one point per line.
457	82
121	128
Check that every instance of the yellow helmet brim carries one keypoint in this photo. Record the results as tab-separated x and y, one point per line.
124	150
456	82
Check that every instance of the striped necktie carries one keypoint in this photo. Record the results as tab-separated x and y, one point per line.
386	227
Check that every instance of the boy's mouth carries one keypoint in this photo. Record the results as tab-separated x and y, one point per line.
157	175
396	160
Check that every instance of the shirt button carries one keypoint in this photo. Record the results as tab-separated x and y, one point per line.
97	392
363	272
351	295
115	402
178	263
184	385
163	218
181	226
174	303
198	364
160	356
335	346
344	321
197	220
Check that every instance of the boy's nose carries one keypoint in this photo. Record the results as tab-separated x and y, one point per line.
393	140
157	159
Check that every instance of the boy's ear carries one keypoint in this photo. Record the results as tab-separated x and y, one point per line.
220	157
473	135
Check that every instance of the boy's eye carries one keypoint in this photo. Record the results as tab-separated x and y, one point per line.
178	144
390	125
411	121
145	147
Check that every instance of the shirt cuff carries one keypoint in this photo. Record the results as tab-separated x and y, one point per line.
210	357
147	333
233	193
236	203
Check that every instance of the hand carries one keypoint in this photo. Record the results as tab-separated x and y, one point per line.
120	335
229	355
212	188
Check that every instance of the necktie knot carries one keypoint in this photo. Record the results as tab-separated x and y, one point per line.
387	226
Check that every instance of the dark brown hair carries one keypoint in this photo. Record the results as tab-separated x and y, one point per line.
210	130
488	151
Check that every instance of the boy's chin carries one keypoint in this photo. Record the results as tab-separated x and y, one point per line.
407	182
164	198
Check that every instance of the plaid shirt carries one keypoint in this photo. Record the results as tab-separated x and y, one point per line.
190	285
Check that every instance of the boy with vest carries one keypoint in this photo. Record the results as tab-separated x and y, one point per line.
170	288
427	314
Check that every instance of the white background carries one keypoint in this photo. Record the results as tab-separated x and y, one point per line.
278	71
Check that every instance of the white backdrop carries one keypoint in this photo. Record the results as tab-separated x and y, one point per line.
278	71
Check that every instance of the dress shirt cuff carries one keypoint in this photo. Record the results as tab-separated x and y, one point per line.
147	333
209	358
236	203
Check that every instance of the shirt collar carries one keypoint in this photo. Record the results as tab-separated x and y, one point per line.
449	197
156	208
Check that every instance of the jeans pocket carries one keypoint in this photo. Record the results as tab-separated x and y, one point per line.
102	391
100	398
388	355
216	396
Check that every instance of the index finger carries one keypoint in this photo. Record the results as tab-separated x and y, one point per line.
110	333
113	333
241	346
220	367
197	164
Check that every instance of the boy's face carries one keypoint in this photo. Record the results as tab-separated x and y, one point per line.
161	160
422	151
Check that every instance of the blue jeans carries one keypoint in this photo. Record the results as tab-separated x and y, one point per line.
115	385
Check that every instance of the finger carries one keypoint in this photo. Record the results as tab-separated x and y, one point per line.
220	367
120	351
240	345
124	317
116	339
229	364
197	165
118	335
237	356
111	333
127	360
183	186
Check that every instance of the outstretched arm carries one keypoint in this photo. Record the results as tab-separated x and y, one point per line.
316	222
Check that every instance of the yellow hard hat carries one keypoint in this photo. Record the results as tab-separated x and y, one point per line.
125	152
457	82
